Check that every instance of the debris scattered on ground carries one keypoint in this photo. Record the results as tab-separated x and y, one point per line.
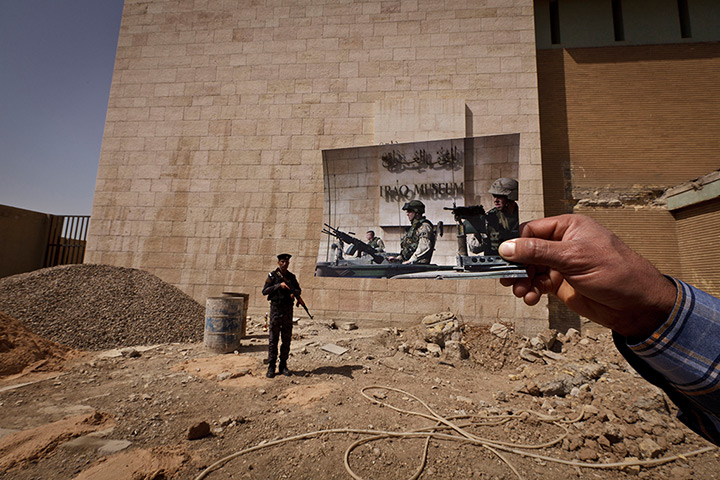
170	410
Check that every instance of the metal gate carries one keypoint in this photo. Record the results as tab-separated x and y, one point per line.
66	240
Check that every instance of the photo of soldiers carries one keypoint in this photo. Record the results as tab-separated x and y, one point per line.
376	188
282	289
418	243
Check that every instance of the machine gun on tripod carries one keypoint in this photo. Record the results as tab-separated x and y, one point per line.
356	242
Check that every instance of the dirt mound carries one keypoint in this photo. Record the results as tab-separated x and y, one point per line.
95	307
21	349
493	353
22	448
159	463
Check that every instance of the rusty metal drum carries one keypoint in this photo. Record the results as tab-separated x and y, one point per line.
225	319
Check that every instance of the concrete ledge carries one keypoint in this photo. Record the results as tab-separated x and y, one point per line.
700	190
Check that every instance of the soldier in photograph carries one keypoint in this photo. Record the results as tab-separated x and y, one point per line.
374	242
418	243
502	220
282	290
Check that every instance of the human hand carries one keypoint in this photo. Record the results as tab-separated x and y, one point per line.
592	271
285	286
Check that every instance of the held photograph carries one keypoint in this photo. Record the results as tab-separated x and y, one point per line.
430	209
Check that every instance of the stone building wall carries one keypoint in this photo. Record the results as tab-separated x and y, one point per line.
219	112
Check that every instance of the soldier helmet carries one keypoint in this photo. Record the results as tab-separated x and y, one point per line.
507	187
284	256
415	206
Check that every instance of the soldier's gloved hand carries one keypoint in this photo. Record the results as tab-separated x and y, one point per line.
592	271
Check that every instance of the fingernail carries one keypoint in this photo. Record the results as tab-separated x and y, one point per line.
507	249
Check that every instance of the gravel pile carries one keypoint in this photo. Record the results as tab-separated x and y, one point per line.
96	307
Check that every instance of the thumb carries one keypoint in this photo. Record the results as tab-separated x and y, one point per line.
534	251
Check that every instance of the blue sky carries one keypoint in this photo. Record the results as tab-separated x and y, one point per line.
56	64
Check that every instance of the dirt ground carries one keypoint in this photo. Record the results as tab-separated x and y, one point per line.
500	414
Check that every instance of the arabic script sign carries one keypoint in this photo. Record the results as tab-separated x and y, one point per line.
432	172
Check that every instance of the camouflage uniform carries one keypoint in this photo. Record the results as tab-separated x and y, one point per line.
281	313
377	244
501	227
418	243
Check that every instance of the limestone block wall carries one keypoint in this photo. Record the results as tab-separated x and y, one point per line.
219	112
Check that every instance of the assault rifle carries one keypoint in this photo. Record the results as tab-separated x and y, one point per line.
302	304
298	298
359	244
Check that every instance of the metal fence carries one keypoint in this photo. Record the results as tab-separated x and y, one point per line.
66	239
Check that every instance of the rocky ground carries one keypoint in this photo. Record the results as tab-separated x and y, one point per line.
362	402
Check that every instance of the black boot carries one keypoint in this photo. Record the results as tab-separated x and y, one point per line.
271	371
283	369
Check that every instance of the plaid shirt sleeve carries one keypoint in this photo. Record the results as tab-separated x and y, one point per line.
682	357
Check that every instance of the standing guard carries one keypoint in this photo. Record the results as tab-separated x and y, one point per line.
281	288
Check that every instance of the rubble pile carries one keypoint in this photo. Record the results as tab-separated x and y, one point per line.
440	335
95	307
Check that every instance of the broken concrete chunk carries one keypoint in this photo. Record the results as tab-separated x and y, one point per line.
349	326
572	335
434	349
436	338
437	318
552	355
555	388
649	449
530	355
592	372
548	337
332	348
537	344
499	330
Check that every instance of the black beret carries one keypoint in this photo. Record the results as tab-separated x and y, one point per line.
284	256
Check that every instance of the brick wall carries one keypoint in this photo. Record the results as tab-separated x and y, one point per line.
698	228
219	111
627	119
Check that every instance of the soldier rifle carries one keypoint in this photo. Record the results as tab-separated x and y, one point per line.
359	244
299	299
475	215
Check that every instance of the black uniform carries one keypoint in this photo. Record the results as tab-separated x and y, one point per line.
281	313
